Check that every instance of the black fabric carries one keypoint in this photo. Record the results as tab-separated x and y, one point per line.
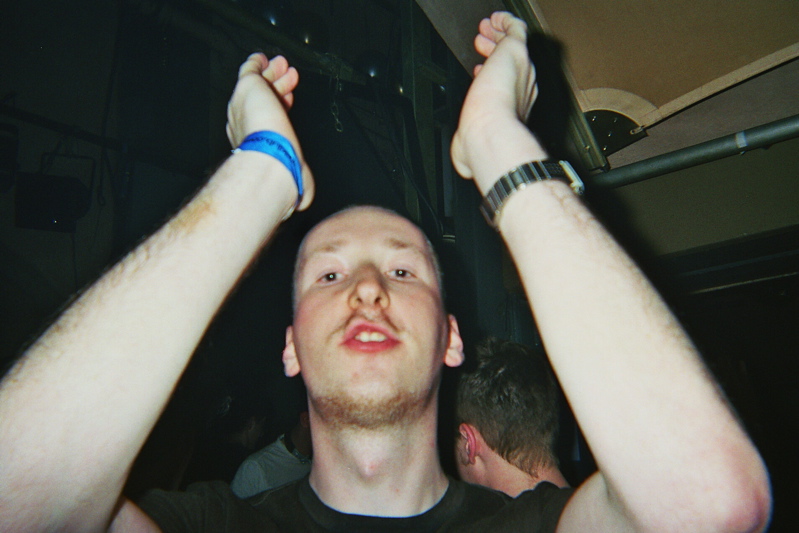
212	507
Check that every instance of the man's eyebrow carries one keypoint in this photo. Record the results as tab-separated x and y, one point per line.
398	244
390	242
326	248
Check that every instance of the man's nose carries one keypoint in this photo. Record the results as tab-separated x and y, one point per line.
369	289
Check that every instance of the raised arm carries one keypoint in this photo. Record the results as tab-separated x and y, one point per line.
671	454
76	409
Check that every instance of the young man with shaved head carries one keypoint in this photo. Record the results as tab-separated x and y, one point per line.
370	337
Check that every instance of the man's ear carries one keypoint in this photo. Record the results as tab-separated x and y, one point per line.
469	443
291	365
454	355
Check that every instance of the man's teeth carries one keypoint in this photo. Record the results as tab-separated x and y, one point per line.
370	336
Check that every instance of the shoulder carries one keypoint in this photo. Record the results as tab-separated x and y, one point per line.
545	495
204	506
275	447
536	510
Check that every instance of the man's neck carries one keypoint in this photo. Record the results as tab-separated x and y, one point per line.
509	479
553	475
390	472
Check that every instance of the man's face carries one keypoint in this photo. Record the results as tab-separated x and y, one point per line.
370	333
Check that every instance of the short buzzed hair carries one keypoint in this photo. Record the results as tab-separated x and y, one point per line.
298	261
512	399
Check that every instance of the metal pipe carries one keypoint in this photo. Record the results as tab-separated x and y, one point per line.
736	143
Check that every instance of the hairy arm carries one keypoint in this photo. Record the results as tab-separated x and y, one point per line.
671	454
78	406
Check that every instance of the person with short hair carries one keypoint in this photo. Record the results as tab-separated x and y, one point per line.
507	413
370	337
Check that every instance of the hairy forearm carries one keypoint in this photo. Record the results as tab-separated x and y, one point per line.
657	423
86	395
671	454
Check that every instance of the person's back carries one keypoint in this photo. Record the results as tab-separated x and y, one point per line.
507	414
286	459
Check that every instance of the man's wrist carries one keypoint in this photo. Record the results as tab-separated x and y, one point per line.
522	176
502	147
275	145
270	182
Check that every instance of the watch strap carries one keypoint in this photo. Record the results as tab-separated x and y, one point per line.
519	177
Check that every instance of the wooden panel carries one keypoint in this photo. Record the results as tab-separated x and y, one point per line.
652	59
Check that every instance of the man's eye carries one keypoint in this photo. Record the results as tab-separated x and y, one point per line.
401	273
328	277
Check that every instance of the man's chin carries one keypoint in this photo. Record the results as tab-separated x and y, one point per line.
346	411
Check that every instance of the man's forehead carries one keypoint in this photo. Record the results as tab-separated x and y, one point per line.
388	241
379	226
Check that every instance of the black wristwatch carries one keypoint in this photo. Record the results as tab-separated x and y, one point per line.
519	177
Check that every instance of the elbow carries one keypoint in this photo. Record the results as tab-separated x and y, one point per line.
752	510
737	489
734	500
741	510
745	503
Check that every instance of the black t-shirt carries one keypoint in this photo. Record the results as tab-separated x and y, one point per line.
212	507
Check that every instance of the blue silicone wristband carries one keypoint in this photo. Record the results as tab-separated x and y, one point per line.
277	146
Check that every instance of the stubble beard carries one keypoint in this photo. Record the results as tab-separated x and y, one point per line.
341	410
